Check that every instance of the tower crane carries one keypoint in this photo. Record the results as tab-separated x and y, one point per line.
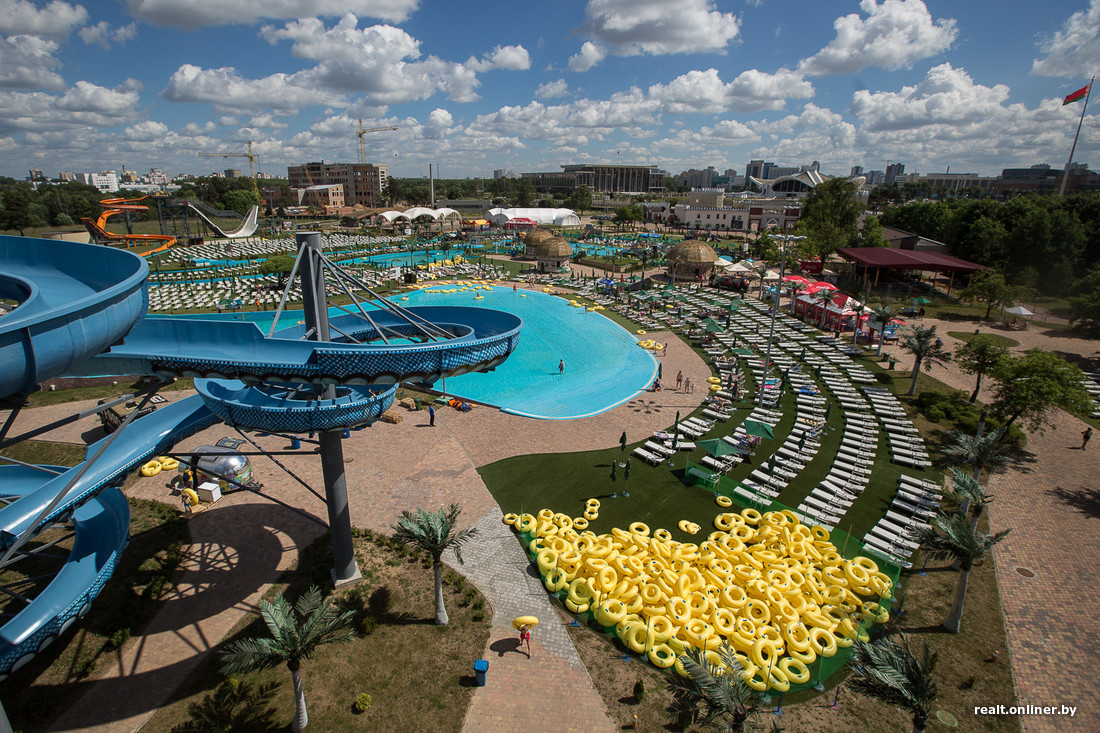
361	132
251	164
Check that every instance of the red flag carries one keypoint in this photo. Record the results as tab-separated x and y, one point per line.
1079	94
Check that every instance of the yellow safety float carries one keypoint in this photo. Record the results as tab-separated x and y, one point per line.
152	468
192	497
168	463
520	621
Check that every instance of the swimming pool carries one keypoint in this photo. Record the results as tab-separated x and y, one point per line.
604	366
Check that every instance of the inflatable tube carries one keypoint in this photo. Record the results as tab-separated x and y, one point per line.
723	501
519	621
662	656
168	463
152	468
714	380
192	497
510	519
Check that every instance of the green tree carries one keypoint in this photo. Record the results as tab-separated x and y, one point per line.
235	706
580	199
979	356
987	286
889	671
882	314
870	232
1029	387
15	207
435	533
525	192
830	215
241	201
969	492
296	633
714	693
950	537
280	265
927	350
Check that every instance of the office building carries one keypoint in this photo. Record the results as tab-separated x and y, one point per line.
363	183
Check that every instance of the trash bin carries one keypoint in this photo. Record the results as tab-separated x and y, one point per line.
480	668
419	404
892	364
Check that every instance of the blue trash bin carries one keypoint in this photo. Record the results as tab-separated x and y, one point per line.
480	668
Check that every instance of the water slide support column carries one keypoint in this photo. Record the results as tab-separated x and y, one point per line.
344	570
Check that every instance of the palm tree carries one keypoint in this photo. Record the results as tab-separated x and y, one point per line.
967	489
434	532
795	287
293	639
823	296
890	672
859	307
761	270
884	313
927	348
978	452
951	538
714	692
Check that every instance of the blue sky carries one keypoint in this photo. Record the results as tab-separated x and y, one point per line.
475	86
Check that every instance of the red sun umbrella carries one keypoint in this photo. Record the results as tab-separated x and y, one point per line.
822	284
794	279
898	321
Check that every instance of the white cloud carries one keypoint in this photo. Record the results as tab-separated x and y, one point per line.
513	58
226	89
101	34
438	125
657	27
83	105
552	89
813	134
55	20
146	130
589	55
752	90
894	35
1075	50
194	14
627	112
228	121
26	63
946	96
264	121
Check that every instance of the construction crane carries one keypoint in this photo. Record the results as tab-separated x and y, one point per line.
251	164
361	132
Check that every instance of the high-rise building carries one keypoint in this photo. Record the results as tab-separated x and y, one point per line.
696	178
363	183
105	181
857	170
608	178
66	176
232	172
36	174
894	171
158	177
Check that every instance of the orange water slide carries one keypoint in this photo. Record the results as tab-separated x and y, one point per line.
111	207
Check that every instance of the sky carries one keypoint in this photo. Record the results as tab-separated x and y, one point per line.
486	84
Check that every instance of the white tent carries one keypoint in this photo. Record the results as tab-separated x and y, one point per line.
542	217
1019	310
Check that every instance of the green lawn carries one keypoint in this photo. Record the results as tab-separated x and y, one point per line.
968	336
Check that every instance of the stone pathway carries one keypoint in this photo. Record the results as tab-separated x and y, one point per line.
551	685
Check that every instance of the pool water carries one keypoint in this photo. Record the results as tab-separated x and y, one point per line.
604	366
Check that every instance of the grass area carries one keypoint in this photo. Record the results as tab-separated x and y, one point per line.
96	392
418	674
967	336
45	452
40	691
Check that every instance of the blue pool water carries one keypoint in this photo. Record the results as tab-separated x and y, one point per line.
604	366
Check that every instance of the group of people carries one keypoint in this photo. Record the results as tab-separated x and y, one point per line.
684	384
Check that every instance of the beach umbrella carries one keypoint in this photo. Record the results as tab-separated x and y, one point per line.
717	447
801	442
828	409
622	442
802	356
921	301
1019	310
771	464
759	429
614	471
626	472
659	370
676	431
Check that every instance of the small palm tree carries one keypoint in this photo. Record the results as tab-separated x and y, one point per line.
884	313
859	307
890	672
795	287
977	452
951	538
762	270
234	707
295	634
927	349
970	494
714	694
434	532
824	296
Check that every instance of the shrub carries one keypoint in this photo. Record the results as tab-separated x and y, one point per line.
362	702
120	637
368	624
639	690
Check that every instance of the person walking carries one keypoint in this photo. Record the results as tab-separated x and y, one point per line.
561	367
525	637
431	416
679	380
1086	436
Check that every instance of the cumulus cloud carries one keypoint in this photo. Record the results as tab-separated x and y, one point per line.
84	104
101	34
946	96
194	14
228	121
225	88
1074	50
552	89
26	63
146	130
752	91
657	27
438	124
513	58
589	55
629	112
55	20
893	36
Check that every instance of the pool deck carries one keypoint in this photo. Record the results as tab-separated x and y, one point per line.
243	541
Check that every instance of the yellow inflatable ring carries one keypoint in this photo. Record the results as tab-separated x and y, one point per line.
639	528
192	497
511	519
640	332
547	560
795	670
658	347
168	463
723	501
555	580
864	562
724	522
591	515
593	503
580	523
725	622
526	523
763	653
876	612
857	574
751	516
714	380
662	656
662	534
545	514
715	387
610	612
152	468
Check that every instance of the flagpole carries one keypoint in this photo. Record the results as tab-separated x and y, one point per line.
1065	173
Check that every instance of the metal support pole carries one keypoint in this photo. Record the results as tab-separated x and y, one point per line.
344	568
787	239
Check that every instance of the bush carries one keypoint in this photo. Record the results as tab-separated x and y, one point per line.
368	624
362	702
120	637
639	690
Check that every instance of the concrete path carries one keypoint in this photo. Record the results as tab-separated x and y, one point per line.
550	685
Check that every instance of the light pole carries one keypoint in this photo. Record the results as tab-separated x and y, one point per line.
786	239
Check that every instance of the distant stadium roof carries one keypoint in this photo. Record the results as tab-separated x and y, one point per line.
885	258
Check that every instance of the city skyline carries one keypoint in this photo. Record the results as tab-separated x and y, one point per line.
152	83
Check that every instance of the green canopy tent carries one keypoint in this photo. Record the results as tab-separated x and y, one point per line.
758	429
742	351
718	447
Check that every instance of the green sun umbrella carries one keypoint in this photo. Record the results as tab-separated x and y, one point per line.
828	409
614	471
622	442
717	447
626	472
759	429
676	432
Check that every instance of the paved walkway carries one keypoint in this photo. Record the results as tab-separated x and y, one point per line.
1050	501
552	684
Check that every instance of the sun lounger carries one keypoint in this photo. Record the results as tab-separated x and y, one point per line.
651	458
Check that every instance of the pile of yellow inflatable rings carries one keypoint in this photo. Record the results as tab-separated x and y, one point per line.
155	466
775	589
